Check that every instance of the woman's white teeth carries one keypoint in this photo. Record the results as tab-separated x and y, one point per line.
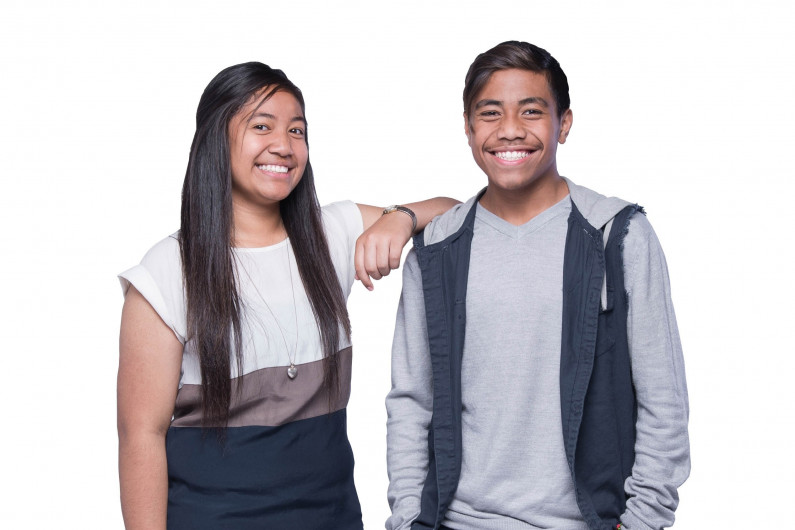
273	169
511	155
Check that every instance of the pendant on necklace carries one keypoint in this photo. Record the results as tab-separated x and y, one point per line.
292	371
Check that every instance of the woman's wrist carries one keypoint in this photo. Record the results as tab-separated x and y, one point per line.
407	211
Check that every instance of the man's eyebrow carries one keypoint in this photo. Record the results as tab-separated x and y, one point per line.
485	102
530	101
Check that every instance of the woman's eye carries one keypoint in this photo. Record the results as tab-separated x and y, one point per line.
297	131
261	127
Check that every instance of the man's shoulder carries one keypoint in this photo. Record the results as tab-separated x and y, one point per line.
448	223
595	207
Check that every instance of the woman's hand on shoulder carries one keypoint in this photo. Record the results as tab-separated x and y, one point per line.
379	248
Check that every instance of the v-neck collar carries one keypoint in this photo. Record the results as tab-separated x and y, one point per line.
561	207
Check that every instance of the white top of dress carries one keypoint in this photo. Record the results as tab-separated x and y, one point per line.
268	288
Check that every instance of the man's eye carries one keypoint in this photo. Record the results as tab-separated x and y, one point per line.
489	113
532	111
297	130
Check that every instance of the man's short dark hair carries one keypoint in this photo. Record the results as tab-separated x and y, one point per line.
521	55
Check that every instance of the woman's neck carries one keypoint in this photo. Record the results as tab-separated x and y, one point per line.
256	226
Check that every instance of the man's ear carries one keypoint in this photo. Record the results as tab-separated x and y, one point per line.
467	129
565	125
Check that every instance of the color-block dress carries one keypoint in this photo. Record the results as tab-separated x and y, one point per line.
287	462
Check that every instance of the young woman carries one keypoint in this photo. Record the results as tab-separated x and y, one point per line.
235	353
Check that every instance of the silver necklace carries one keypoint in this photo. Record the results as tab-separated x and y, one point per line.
292	370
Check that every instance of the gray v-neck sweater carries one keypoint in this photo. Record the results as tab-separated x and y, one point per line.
513	453
514	473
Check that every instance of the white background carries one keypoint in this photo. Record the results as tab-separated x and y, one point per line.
684	107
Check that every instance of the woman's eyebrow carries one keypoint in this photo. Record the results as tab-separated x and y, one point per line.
272	117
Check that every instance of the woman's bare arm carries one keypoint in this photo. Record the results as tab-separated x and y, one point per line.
150	357
380	246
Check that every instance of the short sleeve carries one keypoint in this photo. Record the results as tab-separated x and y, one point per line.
159	279
343	224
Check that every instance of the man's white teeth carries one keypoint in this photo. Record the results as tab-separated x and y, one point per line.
273	168
511	155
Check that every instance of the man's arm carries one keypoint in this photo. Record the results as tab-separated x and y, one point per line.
662	448
409	403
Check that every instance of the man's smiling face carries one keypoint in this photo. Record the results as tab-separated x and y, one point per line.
513	129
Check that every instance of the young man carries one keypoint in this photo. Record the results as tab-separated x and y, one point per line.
538	379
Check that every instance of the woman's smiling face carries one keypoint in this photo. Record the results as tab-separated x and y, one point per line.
267	149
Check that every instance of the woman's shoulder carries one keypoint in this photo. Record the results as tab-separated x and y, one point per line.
343	213
161	260
163	253
160	269
159	279
343	220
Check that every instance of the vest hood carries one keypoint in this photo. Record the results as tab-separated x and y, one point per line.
597	209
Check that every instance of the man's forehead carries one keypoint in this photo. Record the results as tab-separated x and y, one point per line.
515	84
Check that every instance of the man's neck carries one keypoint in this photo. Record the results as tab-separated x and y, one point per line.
519	206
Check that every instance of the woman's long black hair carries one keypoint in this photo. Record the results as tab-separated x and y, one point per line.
205	238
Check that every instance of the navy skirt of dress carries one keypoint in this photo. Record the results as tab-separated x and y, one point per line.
293	476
